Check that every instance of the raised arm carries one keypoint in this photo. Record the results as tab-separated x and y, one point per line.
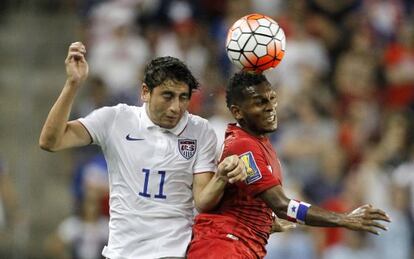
57	132
208	187
363	218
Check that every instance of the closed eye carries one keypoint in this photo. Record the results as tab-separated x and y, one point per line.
167	96
184	97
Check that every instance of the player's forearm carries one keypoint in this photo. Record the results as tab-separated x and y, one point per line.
57	119
211	195
302	212
319	217
315	216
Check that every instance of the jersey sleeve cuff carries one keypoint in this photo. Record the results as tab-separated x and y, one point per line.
84	123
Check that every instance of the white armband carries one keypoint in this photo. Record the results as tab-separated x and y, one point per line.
297	210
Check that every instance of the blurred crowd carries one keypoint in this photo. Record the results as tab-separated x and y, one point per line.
346	108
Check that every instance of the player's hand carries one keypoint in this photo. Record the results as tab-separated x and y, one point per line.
232	168
76	66
281	225
365	218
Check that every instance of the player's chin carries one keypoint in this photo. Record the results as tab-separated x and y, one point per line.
169	124
270	127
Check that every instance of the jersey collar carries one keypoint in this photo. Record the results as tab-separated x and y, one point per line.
177	130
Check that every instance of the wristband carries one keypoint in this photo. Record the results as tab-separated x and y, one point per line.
297	210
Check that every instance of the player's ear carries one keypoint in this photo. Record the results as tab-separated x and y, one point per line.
236	112
145	93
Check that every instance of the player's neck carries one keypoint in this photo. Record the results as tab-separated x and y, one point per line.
251	132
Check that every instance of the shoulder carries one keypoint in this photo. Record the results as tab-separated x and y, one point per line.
126	108
112	109
199	123
242	146
122	110
197	120
241	143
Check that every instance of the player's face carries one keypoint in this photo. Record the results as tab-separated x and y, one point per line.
167	102
258	110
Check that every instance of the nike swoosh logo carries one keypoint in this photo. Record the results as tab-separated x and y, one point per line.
132	139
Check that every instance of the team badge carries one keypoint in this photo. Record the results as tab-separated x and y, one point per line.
187	147
253	172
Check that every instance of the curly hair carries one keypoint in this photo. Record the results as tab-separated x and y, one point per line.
240	81
162	69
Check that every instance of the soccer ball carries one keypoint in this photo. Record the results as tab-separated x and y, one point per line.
256	43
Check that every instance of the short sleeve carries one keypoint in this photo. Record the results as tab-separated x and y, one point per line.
206	155
259	174
99	122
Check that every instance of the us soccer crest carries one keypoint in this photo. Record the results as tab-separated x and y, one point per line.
187	147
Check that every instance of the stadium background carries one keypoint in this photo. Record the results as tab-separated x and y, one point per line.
346	99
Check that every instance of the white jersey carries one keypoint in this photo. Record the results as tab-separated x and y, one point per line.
150	174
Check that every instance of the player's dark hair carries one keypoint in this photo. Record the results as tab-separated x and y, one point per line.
240	81
161	69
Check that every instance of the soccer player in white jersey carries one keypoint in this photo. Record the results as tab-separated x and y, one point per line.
160	158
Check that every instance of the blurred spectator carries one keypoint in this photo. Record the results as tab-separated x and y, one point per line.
295	244
399	67
90	182
303	139
395	243
328	181
184	43
332	22
218	26
80	236
355	246
119	57
221	118
385	17
96	97
270	8
403	177
304	55
10	215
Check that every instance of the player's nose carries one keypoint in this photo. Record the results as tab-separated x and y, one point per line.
175	105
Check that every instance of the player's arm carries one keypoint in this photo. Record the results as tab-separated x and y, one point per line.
208	187
57	132
364	218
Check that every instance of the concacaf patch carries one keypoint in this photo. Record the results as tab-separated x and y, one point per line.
253	172
187	147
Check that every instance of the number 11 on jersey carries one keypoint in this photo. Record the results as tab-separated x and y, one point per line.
160	194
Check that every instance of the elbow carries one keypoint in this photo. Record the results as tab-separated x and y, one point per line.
46	144
203	207
199	207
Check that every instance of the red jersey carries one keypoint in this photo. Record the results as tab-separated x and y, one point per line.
241	213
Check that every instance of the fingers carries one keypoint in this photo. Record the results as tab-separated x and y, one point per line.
371	230
366	217
238	173
375	216
231	162
233	168
371	213
76	52
378	214
78	46
376	225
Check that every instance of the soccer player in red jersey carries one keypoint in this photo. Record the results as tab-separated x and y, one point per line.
241	224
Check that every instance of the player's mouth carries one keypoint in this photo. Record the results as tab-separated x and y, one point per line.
271	118
169	117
